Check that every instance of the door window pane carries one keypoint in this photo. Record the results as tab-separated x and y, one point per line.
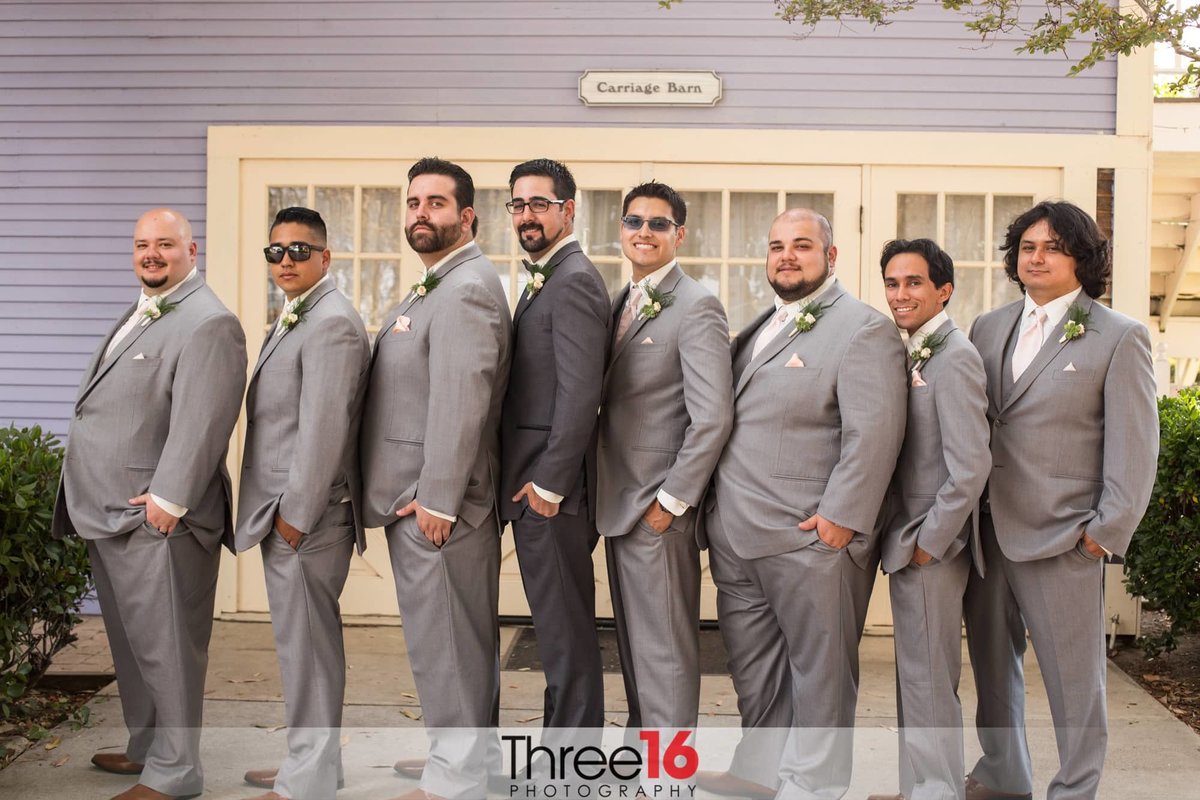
820	202
749	294
916	216
281	197
750	215
1003	290
1006	208
968	300
964	227
598	222
495	223
341	270
703	238
382	220
709	276
336	207
379	290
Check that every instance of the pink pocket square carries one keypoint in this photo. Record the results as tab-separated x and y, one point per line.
403	324
794	361
917	380
647	340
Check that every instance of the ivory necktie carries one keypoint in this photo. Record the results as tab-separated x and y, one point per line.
768	333
635	302
1029	343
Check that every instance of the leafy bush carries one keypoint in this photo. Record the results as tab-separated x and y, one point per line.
42	579
1163	563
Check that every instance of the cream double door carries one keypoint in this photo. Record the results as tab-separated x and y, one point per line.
730	210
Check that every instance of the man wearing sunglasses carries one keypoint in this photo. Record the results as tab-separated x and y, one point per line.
560	338
820	403
144	482
429	450
299	494
666	413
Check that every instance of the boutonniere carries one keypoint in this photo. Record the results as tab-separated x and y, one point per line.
807	316
929	345
429	281
656	301
293	314
157	306
538	275
1076	325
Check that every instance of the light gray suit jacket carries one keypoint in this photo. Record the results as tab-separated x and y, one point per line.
666	406
431	424
944	462
560	342
821	438
303	409
1075	440
156	416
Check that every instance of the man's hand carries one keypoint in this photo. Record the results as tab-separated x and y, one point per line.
290	534
538	503
658	517
835	536
1092	546
920	557
435	529
163	522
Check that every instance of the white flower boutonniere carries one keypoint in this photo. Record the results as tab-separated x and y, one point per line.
656	301
157	306
537	278
929	345
1076	324
807	316
429	281
293	314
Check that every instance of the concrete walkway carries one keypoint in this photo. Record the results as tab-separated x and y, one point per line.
1151	756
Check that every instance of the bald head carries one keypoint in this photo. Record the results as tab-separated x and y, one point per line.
163	250
807	214
800	253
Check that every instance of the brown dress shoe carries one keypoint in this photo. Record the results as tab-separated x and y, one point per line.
410	767
977	791
261	778
885	797
731	785
116	763
268	796
141	792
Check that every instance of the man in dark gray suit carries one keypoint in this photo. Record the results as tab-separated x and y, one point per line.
666	414
560	338
430	460
1071	400
819	411
144	482
930	530
299	494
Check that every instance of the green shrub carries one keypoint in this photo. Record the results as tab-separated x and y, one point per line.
42	579
1163	563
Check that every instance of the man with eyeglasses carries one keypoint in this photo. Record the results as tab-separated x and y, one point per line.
299	495
429	450
144	482
820	403
666	413
548	468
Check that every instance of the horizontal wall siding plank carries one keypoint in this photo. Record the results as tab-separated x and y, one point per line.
18	343
119	213
37	393
32	362
45	377
18	315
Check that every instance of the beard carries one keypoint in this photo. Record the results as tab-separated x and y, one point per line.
154	283
791	292
536	245
431	238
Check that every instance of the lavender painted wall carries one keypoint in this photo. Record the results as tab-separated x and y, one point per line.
104	108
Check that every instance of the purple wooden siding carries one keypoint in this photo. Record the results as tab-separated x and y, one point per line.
104	109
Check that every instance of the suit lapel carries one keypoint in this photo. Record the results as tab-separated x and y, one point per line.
526	300
995	360
1053	345
786	335
743	343
274	337
665	286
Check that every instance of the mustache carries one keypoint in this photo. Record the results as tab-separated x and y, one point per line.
529	226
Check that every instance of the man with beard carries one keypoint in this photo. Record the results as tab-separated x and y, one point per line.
149	492
429	451
560	336
819	411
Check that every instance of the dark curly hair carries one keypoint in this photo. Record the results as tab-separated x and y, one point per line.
1077	233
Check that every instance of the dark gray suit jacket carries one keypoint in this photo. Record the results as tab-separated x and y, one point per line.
156	416
560	341
303	408
1075	440
944	462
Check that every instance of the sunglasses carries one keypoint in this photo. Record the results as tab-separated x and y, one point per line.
299	251
633	222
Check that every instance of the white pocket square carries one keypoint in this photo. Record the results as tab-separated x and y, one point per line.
794	361
1070	367
403	324
647	340
140	357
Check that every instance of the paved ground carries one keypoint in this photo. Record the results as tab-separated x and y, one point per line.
1152	756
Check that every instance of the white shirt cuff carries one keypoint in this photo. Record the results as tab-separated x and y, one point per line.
549	497
166	505
440	515
674	505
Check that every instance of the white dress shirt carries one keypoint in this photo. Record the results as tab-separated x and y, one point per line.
1055	310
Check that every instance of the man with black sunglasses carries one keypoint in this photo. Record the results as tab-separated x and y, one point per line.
548	467
667	410
300	492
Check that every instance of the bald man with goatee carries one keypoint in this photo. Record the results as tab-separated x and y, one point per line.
144	482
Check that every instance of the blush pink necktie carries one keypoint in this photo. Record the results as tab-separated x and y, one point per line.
1029	343
768	333
631	308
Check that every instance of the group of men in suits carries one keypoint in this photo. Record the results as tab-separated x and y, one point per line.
800	456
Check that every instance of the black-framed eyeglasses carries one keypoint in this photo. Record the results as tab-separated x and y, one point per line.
633	222
538	205
299	251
